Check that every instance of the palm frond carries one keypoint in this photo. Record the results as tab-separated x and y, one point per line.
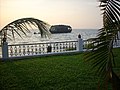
101	56
25	25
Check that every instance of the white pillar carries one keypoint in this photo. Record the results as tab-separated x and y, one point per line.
80	43
5	50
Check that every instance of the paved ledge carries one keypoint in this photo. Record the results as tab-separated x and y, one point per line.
40	55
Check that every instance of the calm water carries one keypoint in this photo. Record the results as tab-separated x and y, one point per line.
34	38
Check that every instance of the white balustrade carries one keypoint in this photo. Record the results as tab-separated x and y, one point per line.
20	50
41	48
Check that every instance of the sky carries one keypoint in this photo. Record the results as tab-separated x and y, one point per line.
80	14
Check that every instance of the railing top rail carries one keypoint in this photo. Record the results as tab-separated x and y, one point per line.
41	43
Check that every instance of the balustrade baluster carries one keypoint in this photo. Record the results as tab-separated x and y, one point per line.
11	51
24	50
32	52
39	48
72	45
66	46
63	46
20	51
75	45
60	47
51	45
15	49
46	48
42	48
69	46
56	47
28	50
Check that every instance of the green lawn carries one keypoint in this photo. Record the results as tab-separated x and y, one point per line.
68	72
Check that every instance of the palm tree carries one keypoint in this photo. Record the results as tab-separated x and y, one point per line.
24	25
102	56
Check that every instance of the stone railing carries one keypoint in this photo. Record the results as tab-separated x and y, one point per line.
36	49
41	48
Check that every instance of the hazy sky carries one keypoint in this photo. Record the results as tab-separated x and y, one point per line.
77	13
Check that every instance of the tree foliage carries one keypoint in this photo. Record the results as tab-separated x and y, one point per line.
101	56
24	25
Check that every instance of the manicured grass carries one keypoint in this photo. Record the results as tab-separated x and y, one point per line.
68	72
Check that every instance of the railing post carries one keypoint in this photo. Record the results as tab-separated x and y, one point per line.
5	50
80	43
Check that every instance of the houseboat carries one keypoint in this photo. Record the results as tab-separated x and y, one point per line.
60	29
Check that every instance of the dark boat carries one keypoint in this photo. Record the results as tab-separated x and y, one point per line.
60	29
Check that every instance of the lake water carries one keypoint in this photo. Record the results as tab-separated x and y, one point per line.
34	38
